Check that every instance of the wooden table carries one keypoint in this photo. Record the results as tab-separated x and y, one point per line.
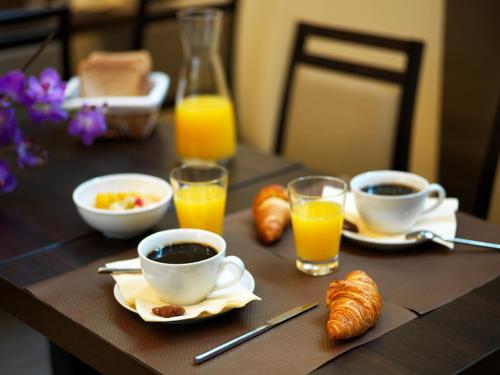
42	236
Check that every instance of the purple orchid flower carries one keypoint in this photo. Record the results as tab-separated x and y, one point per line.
45	97
48	89
88	124
41	112
26	157
8	126
12	86
7	179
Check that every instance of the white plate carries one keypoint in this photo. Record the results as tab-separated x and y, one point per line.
381	243
247	281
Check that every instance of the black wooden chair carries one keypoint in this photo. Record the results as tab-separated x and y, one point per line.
487	177
406	79
19	36
145	17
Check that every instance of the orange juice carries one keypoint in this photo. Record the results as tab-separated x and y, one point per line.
201	207
317	227
205	127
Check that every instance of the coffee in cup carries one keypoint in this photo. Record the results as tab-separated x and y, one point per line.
184	265
392	201
183	252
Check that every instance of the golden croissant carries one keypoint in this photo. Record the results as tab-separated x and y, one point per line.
271	212
354	305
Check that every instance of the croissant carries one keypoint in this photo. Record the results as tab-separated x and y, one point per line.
271	213
354	305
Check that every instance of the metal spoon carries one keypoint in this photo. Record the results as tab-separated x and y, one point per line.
118	270
427	235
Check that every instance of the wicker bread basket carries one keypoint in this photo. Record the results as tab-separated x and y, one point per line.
132	117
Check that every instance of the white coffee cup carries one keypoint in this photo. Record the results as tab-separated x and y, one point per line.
393	214
189	283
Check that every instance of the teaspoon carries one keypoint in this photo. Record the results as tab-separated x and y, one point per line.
427	235
118	270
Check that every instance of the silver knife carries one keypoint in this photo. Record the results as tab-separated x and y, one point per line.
118	270
273	322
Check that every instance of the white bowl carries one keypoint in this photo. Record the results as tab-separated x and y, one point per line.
123	223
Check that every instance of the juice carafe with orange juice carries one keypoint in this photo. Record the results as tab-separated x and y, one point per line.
205	128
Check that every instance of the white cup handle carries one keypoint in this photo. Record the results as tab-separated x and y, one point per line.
441	196
230	272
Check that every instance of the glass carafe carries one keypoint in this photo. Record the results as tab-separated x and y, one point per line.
204	116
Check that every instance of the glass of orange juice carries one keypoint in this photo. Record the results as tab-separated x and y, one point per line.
317	206
200	196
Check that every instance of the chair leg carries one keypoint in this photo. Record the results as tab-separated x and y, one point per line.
140	24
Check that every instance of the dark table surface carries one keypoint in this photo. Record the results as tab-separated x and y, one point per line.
42	236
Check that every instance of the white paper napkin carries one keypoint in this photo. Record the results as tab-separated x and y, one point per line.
139	295
441	221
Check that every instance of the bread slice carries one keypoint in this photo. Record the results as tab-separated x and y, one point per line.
115	73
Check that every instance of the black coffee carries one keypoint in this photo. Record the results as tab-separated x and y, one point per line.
185	252
389	189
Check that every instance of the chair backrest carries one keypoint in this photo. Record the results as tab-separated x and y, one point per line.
22	37
487	178
145	17
406	79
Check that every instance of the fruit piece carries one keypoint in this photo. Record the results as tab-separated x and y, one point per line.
102	200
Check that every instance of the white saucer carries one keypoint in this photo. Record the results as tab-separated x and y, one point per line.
247	281
442	221
380	243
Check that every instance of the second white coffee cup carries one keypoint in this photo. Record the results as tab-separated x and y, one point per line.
189	283
393	214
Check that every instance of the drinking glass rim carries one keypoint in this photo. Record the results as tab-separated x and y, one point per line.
207	166
330	178
198	13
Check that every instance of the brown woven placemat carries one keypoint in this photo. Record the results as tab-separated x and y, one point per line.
421	278
297	346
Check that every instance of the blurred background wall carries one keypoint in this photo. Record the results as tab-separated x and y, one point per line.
262	61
